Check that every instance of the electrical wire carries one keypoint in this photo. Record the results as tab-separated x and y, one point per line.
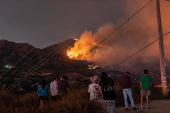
26	74
117	28
46	36
140	50
93	17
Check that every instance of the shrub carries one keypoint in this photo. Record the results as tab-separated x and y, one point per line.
76	102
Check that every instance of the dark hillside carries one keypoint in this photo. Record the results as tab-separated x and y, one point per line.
136	66
59	48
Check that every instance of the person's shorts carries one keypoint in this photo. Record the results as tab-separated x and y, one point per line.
43	98
145	92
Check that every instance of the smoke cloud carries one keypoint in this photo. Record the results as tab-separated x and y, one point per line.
134	35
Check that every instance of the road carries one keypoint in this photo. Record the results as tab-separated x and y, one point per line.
155	106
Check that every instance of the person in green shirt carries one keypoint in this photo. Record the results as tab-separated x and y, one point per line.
145	85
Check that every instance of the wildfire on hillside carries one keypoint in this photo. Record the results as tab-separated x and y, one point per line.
125	41
81	47
82	52
72	54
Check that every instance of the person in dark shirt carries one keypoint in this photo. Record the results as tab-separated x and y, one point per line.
63	86
106	87
126	84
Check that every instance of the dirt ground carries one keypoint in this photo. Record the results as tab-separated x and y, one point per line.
155	106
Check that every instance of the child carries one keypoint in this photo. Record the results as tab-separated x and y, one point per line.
94	88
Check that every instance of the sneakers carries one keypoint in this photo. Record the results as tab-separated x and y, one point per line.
141	107
134	108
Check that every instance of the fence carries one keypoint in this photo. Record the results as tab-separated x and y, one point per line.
109	105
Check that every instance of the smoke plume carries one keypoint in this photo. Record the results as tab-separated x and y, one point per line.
134	35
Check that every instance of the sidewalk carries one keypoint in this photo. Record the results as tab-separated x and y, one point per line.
155	106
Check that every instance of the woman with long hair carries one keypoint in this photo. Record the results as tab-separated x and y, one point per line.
106	87
43	90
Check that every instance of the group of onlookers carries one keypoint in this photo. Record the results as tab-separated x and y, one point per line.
145	85
100	88
57	88
104	88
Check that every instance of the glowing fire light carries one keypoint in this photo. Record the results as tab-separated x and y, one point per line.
72	55
82	46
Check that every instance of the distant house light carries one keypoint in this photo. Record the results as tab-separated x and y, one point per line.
9	66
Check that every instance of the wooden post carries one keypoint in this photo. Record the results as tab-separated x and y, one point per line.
161	48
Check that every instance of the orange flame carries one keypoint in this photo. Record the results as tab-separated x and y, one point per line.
72	55
82	46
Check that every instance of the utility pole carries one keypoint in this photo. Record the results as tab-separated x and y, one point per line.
161	49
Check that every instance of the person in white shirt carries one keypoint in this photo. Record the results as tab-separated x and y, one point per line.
94	88
54	89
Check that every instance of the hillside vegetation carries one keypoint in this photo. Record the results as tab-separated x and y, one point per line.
77	100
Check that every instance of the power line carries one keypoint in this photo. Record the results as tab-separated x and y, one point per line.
18	68
62	22
100	12
81	12
97	13
100	43
127	20
146	20
16	64
46	36
55	29
91	18
140	50
68	17
117	28
35	65
26	75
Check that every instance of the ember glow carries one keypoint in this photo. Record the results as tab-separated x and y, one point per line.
104	54
72	55
82	46
133	36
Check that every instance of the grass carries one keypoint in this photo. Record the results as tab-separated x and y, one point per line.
76	102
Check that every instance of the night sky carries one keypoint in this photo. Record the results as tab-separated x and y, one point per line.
42	23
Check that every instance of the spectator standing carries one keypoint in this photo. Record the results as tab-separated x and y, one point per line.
43	90
93	88
54	89
145	84
106	87
126	84
63	86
